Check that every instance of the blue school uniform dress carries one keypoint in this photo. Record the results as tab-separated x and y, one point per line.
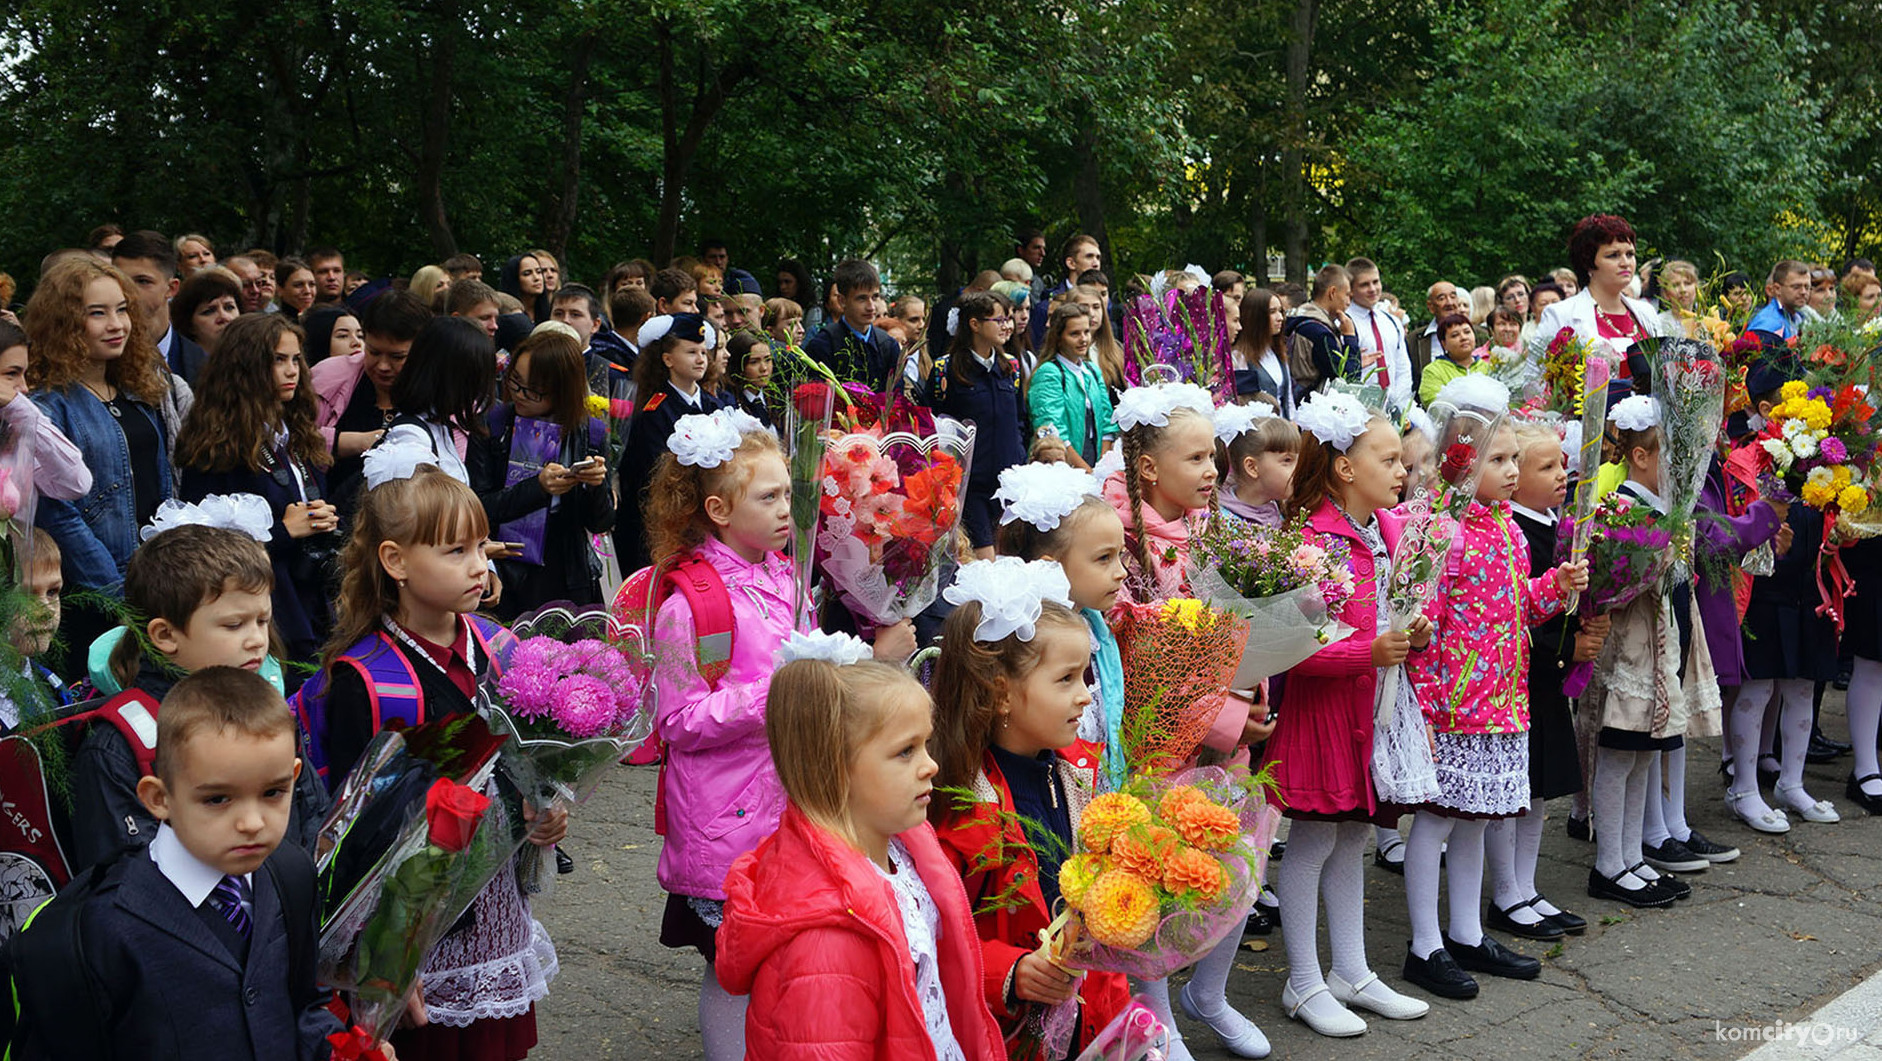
986	394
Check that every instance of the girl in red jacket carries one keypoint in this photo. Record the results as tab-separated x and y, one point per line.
848	926
1014	780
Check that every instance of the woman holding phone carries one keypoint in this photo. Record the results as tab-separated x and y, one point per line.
543	477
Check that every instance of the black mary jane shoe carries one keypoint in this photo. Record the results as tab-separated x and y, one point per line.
563	863
1579	829
1649	897
1503	920
1872	804
1672	885
1380	860
1262	920
1494	959
1439	974
1567	922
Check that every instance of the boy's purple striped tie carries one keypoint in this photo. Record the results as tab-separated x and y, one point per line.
231	900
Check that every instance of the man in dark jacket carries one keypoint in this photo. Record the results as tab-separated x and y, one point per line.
852	346
1326	327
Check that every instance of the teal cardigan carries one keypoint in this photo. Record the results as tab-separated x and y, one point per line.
1056	395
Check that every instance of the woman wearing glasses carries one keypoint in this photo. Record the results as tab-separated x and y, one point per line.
979	382
543	477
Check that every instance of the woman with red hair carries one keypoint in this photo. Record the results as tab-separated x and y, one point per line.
1601	251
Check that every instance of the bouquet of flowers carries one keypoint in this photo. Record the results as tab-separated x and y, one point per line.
1630	549
1518	371
1178	656
1165	868
1597	370
1288	589
806	438
1818	445
574	697
1133	1035
1564	357
1188	333
1689	385
889	490
413	836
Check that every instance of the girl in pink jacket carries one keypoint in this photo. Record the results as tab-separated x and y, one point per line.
1472	682
722	495
849	927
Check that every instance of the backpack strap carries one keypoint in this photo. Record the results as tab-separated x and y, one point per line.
495	643
295	885
392	691
711	603
134	713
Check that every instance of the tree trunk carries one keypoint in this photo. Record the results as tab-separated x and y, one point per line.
564	199
1088	196
436	139
1258	229
680	146
1293	152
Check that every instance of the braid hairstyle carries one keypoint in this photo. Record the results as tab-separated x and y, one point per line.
1143	441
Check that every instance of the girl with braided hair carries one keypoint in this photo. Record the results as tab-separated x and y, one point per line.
1166	489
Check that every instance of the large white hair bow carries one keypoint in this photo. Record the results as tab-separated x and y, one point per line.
398	457
704	440
1043	494
1232	421
1334	417
1011	593
1475	391
1153	404
840	649
248	513
1636	412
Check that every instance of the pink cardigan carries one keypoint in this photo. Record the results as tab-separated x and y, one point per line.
59	470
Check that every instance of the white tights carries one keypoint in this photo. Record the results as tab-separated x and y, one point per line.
1865	718
1619	806
721	1020
1511	848
1323	858
1666	810
1793	698
1463	876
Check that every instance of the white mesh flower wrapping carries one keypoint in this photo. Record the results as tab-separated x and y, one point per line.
399	457
1232	421
1043	494
247	513
1011	593
1109	463
1636	412
704	440
1476	392
1153	404
1334	418
840	649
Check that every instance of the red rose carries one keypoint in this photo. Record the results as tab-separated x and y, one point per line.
1456	462
452	812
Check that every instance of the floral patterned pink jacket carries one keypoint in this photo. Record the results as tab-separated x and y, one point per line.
1473	677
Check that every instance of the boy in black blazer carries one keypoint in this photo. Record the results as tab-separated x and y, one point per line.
202	944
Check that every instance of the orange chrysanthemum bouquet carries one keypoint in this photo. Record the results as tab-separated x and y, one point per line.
1165	868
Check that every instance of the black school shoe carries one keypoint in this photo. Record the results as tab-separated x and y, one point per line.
1678	888
1580	829
1872	804
1494	959
1673	857
1262	920
1823	751
1649	897
1439	974
1500	919
563	863
1697	843
1564	920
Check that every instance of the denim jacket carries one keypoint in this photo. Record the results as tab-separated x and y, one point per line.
98	532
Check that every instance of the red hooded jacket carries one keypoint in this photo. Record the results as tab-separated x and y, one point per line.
814	935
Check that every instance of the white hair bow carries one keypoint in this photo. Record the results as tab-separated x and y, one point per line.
247	513
398	457
1043	494
1334	417
1232	421
840	649
1011	593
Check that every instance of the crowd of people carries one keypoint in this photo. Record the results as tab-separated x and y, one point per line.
267	480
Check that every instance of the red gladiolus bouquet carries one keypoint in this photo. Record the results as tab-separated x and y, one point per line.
411	840
888	499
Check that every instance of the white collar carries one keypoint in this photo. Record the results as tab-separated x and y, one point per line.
1651	498
985	362
1539	517
692	399
192	876
165	341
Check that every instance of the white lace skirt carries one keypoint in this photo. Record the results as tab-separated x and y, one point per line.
1402	770
1483	774
498	967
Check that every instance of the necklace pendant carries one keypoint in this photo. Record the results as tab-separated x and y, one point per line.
116	413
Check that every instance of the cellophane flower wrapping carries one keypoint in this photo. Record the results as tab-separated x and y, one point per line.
576	696
1519	371
1164	869
1178	657
18	500
1689	382
806	440
1130	1036
388	892
1187	332
1564	357
889	502
1630	551
1287	589
1597	370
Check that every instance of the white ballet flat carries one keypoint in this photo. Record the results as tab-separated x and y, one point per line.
1237	1032
1771	821
1818	811
1392	1006
1342	1025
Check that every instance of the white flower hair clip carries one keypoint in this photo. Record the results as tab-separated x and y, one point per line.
1043	494
1011	593
840	649
1233	421
1334	418
247	513
954	319
744	421
399	457
1154	403
704	440
1636	412
1571	445
1475	392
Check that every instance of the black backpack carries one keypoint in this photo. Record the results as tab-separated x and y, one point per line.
54	990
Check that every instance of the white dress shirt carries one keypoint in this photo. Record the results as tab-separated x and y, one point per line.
1397	356
192	876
